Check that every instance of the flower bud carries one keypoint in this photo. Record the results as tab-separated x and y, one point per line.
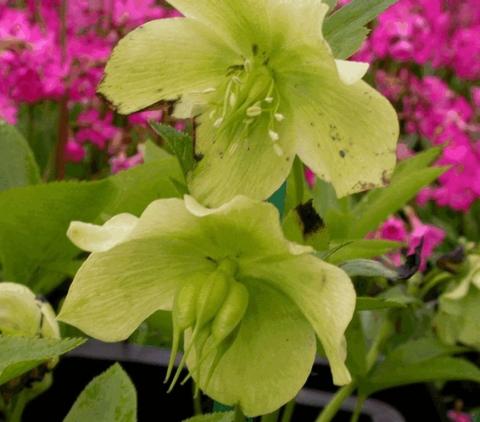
22	314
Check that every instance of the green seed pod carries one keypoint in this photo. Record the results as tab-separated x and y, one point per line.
211	296
185	305
183	316
231	312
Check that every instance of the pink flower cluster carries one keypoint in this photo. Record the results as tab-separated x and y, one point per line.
48	53
431	110
432	51
411	233
442	33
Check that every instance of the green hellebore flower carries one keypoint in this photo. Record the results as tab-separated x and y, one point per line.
458	318
264	83
248	301
23	314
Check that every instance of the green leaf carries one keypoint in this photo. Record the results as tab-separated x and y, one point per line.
371	303
378	204
21	354
179	143
422	360
368	268
360	249
153	152
110	397
34	219
345	29
17	163
213	417
356	347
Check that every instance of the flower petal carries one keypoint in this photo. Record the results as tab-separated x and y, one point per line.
324	294
347	134
235	164
268	24
162	60
93	238
244	229
269	359
351	72
114	291
169	246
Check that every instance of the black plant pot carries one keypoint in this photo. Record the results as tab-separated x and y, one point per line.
147	365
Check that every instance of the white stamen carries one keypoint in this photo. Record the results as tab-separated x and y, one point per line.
233	99
254	111
278	149
279	117
247	65
269	100
212	114
237	80
208	90
273	135
218	123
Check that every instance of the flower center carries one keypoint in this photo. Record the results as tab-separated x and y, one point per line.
249	97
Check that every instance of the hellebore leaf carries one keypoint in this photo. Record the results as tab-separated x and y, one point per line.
345	29
266	87
34	219
359	249
179	248
421	360
110	397
17	163
179	143
377	205
371	303
21	354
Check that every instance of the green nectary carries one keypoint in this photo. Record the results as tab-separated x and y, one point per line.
247	302
264	85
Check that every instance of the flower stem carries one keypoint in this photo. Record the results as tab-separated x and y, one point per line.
333	407
271	417
288	411
239	416
358	408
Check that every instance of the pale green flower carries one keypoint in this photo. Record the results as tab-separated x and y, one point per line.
264	83
458	317
251	300
23	314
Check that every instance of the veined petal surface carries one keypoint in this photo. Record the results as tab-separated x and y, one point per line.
161	60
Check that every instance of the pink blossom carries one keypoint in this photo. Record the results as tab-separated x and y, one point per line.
456	416
123	162
74	152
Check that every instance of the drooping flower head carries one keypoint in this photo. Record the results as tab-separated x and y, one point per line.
248	301
265	87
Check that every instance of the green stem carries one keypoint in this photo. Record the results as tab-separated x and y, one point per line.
440	278
197	400
385	331
333	407
358	408
239	416
271	417
288	411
